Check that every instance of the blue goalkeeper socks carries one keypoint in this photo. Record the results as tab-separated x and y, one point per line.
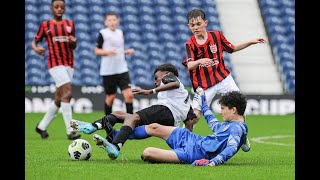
138	133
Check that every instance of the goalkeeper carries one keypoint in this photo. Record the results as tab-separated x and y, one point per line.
210	150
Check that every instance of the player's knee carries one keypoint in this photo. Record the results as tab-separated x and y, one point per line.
152	128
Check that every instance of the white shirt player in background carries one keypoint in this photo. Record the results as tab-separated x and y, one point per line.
114	68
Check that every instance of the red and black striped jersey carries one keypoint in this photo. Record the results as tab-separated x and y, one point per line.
213	48
56	33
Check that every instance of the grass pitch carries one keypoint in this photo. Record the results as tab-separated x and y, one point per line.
272	154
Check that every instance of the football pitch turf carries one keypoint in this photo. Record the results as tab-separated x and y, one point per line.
272	154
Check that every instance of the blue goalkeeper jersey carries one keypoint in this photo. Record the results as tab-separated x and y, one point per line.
227	139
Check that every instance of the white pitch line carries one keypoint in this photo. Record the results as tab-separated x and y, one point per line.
262	140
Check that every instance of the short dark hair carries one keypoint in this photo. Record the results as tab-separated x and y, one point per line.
167	67
112	14
234	99
195	13
56	0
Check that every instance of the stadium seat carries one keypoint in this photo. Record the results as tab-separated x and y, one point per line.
32	18
97	9
162	2
97	2
113	8
143	9
163	10
130	9
31	9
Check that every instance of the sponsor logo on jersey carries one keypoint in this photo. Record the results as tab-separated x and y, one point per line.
60	38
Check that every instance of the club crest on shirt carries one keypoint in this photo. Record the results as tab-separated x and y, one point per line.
213	48
69	29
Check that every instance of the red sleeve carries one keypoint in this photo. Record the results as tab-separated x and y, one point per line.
226	45
189	54
41	33
73	32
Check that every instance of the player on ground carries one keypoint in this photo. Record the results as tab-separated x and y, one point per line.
172	107
211	150
114	68
205	62
60	38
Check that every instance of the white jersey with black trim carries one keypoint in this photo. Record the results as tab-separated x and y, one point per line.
113	64
177	100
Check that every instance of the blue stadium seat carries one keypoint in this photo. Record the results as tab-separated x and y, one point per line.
148	36
79	9
148	27
96	18
143	9
271	11
83	36
164	19
166	36
145	3
35	80
113	8
287	11
163	10
96	27
113	2
131	27
44	17
81	18
270	3
32	18
31	27
175	3
30	2
130	9
90	81
97	10
161	3
274	20
31	9
128	2
100	3
178	10
291	86
82	26
44	8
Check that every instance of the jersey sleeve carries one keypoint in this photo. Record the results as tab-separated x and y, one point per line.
73	32
99	41
169	78
226	45
189	55
231	148
213	123
41	33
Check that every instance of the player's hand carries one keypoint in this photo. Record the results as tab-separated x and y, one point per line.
258	40
129	51
205	62
200	162
40	50
141	91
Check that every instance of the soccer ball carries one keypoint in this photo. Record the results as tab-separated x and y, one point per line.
80	149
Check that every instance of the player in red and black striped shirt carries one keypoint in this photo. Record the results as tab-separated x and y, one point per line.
60	38
204	59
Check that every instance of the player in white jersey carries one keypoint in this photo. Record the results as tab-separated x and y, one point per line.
172	107
114	68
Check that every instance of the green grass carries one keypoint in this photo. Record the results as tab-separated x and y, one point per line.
48	159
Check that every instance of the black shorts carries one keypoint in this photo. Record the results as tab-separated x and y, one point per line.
191	115
156	114
111	82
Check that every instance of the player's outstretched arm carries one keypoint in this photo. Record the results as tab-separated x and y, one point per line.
244	45
211	120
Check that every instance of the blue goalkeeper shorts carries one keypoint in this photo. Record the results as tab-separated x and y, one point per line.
186	145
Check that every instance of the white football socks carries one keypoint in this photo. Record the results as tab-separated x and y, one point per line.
66	111
49	116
